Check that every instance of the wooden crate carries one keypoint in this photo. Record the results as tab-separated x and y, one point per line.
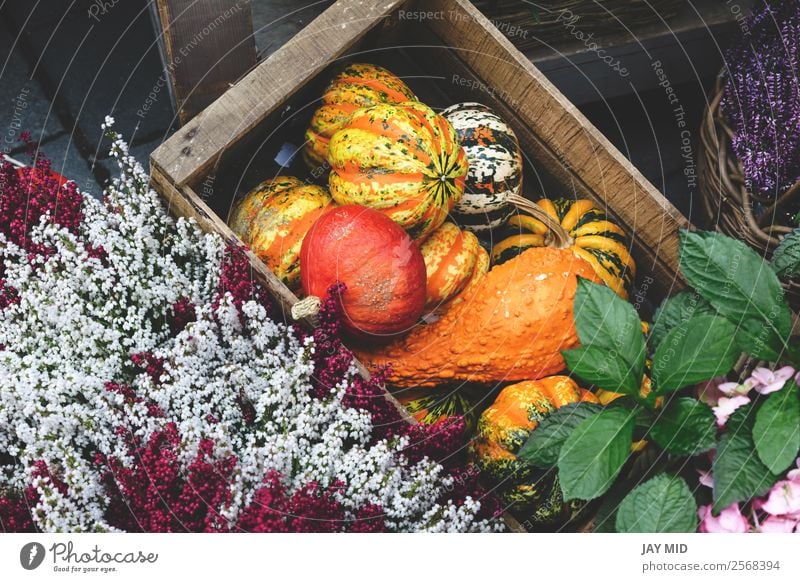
451	54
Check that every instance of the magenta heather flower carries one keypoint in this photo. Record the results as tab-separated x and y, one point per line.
729	520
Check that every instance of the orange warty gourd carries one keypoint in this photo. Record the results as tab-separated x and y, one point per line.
404	160
381	266
357	85
512	325
274	217
450	255
502	430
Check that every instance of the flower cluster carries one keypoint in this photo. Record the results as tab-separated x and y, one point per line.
779	509
762	98
145	385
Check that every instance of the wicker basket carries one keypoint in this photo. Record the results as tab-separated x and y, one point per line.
528	24
729	206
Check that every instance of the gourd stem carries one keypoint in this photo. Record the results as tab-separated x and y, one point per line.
557	237
308	307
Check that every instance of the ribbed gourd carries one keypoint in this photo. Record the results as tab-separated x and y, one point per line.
357	85
495	166
529	492
274	217
402	160
450	255
579	226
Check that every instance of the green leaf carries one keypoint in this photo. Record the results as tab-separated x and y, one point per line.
786	258
741	286
603	319
776	431
676	310
664	504
594	453
544	444
696	350
597	366
739	474
685	427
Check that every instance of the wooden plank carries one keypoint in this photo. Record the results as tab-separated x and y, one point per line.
587	155
207	45
194	148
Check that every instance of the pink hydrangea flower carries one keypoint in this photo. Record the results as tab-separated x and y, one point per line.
794	474
765	381
710	392
783	499
727	406
776	524
706	478
730	520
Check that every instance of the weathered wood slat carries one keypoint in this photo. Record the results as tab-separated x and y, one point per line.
565	134
207	46
194	148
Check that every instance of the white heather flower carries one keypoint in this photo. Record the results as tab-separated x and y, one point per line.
79	320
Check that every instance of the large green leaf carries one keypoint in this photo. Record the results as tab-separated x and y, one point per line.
685	427
544	444
664	504
596	365
741	286
776	431
676	310
594	453
786	258
606	322
739	474
694	351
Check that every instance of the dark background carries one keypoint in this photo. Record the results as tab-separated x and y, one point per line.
71	70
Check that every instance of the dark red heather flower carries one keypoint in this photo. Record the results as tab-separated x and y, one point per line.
27	194
15	515
152	364
369	519
154	496
181	314
236	278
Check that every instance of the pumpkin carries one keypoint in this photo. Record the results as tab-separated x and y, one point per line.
450	255
580	226
481	268
431	406
357	85
377	261
274	217
403	160
512	326
502	430
495	166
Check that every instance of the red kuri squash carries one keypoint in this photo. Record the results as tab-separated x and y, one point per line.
377	260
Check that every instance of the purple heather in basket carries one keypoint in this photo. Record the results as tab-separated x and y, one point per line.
762	98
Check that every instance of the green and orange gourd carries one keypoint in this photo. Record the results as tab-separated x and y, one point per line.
357	85
274	217
450	257
403	160
503	428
